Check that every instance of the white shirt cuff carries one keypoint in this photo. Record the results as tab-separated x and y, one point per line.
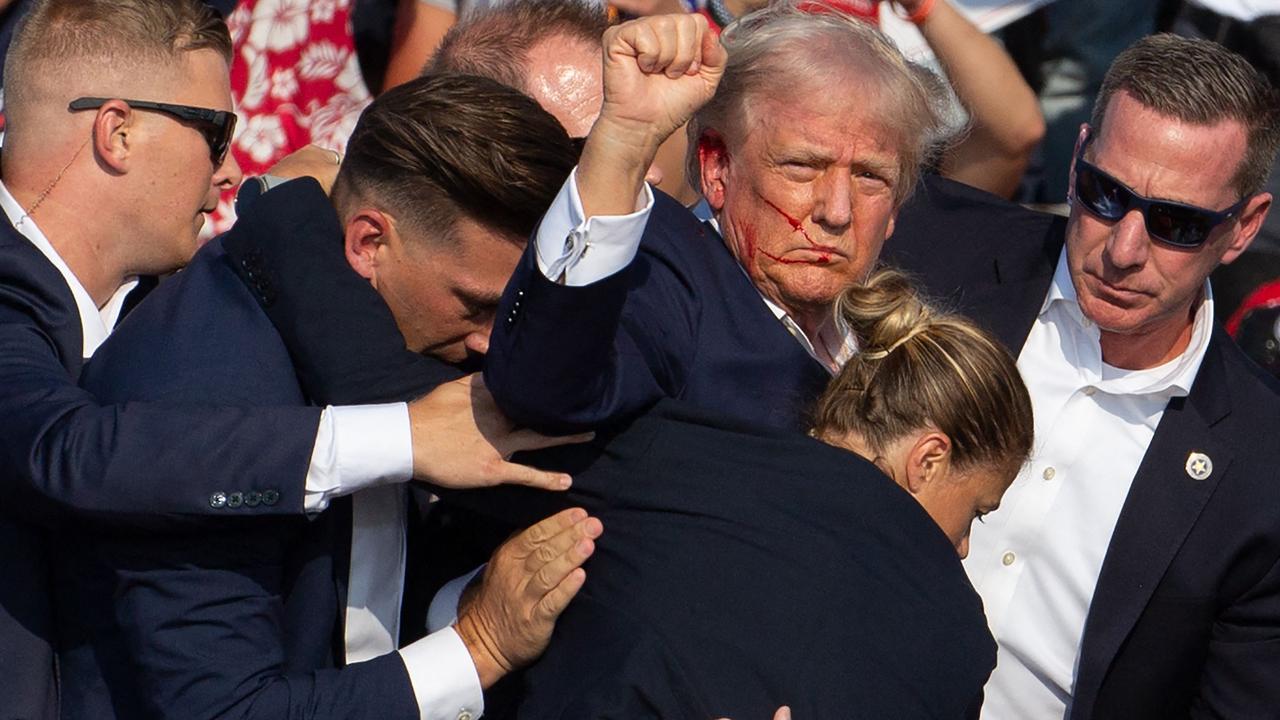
443	611
358	446
443	677
580	251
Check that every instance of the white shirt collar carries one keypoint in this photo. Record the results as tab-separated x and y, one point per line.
1173	378
96	324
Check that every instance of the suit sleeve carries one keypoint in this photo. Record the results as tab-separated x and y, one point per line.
226	657
564	358
1243	659
61	450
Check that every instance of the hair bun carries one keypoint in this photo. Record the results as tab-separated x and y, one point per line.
884	312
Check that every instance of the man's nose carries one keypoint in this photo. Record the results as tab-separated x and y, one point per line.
477	341
1128	244
228	174
963	548
833	204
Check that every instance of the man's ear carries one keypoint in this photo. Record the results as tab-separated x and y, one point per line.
1081	138
112	140
713	166
365	239
928	460
1248	225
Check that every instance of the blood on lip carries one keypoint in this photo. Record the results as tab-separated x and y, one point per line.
796	226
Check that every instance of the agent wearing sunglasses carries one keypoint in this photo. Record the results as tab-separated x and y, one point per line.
1132	568
118	121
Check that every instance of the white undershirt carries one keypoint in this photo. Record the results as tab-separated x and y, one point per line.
365	448
1035	561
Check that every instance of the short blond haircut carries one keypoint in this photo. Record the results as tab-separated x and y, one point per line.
59	38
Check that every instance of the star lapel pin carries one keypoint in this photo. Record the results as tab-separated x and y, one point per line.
1199	466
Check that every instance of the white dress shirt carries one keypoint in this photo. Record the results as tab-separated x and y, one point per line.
1035	561
577	251
358	448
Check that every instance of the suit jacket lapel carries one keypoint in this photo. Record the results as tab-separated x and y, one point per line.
1160	510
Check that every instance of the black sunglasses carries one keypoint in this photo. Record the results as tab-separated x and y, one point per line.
1174	223
217	126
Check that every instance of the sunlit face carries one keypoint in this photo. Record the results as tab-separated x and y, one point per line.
956	498
444	292
805	199
175	181
1138	290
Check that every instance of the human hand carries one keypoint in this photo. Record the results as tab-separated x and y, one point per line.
311	161
507	622
657	71
784	713
462	440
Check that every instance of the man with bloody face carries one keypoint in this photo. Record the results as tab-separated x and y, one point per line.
807	141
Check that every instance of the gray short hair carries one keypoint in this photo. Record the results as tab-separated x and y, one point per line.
1203	83
772	48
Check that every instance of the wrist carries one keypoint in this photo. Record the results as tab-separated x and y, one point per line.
612	168
627	143
479	644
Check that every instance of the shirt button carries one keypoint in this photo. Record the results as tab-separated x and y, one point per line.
1008	559
1090	391
465	715
1048	473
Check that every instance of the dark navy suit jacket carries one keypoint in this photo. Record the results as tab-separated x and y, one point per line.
681	321
1185	619
745	567
227	617
60	451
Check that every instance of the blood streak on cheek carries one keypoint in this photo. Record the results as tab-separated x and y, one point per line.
785	261
797	226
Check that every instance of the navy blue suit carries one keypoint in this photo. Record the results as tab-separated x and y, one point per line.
225	617
681	321
1185	618
60	450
